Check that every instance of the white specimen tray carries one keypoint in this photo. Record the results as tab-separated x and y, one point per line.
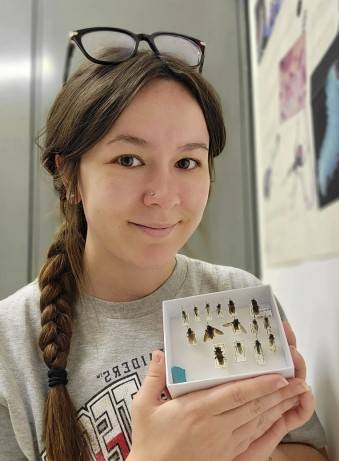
197	365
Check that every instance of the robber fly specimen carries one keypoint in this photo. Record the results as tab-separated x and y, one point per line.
258	352
210	332
236	326
239	351
271	340
219	355
208	312
254	326
196	313
255	307
191	336
184	317
219	310
267	324
231	307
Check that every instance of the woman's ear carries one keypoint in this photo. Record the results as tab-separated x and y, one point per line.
59	162
73	198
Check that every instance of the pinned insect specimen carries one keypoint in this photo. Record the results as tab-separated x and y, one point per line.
185	317
267	325
258	352
196	313
254	326
210	332
220	356
255	307
219	312
237	326
272	343
208	312
191	336
231	308
239	350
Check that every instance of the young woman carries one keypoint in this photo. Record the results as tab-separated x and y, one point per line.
130	147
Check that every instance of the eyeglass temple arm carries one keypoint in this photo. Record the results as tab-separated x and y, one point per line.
70	50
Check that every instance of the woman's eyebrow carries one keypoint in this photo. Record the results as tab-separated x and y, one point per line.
142	142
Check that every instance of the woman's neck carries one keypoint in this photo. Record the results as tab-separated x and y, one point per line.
115	280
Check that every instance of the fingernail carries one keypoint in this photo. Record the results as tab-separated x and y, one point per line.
282	383
305	386
156	357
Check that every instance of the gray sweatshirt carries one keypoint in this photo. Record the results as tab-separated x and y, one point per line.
110	352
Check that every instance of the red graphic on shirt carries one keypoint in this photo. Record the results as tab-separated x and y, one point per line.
107	420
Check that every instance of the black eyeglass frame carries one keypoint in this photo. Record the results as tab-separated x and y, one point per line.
76	35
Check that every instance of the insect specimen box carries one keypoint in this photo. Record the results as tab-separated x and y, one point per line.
223	336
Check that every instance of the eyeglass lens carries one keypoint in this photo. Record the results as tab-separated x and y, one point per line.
122	45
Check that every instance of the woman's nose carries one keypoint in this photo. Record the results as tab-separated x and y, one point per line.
162	190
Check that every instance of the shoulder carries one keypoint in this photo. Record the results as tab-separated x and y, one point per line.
20	307
206	277
222	277
20	326
24	296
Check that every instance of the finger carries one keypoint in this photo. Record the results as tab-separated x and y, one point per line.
225	397
242	415
299	363
259	425
154	381
265	438
300	415
291	338
264	446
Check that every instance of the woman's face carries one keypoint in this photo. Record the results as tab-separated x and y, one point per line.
149	148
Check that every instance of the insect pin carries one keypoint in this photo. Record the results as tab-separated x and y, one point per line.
272	343
191	336
255	307
210	332
231	307
254	326
219	356
267	325
239	350
184	317
208	312
258	352
196	313
237	326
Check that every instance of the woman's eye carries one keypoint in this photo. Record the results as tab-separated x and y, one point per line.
185	161
124	161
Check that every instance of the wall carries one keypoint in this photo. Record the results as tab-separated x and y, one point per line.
309	292
307	288
15	132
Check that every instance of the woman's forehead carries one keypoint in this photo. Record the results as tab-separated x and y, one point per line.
164	111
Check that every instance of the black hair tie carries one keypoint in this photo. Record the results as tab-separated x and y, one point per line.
57	376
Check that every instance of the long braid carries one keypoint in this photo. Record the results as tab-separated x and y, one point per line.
63	435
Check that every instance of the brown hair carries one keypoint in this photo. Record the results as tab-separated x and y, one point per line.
82	113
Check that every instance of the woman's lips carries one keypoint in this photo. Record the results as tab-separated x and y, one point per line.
155	232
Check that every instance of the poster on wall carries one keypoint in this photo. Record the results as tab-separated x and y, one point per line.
325	112
295	77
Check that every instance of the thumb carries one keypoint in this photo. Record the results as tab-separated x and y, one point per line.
155	379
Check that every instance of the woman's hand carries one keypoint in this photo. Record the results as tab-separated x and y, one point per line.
263	447
216	423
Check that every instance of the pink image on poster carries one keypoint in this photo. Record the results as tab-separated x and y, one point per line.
293	80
